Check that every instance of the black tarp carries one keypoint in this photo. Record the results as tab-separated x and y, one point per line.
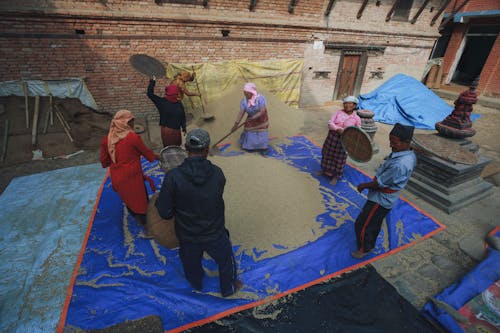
357	302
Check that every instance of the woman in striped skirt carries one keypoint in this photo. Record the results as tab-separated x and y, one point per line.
334	157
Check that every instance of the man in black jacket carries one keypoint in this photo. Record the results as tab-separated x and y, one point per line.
192	193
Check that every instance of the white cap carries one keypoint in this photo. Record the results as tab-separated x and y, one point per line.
350	99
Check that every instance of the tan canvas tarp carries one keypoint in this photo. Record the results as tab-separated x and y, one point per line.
280	77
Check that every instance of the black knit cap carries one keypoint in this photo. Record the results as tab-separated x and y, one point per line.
405	133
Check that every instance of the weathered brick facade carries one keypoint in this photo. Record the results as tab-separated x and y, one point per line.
489	79
95	38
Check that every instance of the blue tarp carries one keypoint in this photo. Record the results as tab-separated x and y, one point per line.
124	276
486	273
403	99
44	219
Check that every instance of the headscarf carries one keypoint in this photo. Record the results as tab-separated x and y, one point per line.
351	99
118	130
172	93
252	89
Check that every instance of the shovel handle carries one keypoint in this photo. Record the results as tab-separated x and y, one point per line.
228	134
198	89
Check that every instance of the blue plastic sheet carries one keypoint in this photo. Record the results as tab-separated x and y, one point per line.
44	219
405	100
458	294
124	276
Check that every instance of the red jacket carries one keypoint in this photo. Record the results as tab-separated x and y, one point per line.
127	177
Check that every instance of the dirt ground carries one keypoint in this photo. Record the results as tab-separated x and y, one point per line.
58	150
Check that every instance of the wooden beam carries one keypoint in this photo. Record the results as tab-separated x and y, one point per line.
5	140
26	106
361	10
64	124
440	11
329	7
34	129
291	6
449	18
393	8
420	10
252	5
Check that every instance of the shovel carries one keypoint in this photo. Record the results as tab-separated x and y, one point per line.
214	149
204	116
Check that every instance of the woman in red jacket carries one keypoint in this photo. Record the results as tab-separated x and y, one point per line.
121	151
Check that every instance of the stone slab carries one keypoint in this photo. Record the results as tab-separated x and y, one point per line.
446	173
473	191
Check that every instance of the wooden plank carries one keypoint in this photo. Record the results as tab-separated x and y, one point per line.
439	77
26	110
5	140
35	120
63	123
51	110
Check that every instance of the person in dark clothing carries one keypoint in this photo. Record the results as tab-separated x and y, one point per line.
172	115
192	193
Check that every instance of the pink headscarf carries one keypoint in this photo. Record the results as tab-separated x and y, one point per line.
252	89
118	130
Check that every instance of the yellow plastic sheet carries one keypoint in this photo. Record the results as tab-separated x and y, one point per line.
280	77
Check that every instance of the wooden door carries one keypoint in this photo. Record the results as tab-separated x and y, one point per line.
348	74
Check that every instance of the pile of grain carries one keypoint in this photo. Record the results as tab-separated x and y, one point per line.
270	206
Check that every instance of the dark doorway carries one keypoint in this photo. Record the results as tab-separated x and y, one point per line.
477	49
442	43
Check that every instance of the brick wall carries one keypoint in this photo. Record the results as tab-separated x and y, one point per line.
453	46
474	5
38	39
489	81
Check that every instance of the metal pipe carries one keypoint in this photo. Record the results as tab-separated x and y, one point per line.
420	10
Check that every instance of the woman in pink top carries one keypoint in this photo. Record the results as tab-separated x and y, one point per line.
333	154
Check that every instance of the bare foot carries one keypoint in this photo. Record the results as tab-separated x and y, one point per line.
238	285
319	173
147	235
359	254
333	181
